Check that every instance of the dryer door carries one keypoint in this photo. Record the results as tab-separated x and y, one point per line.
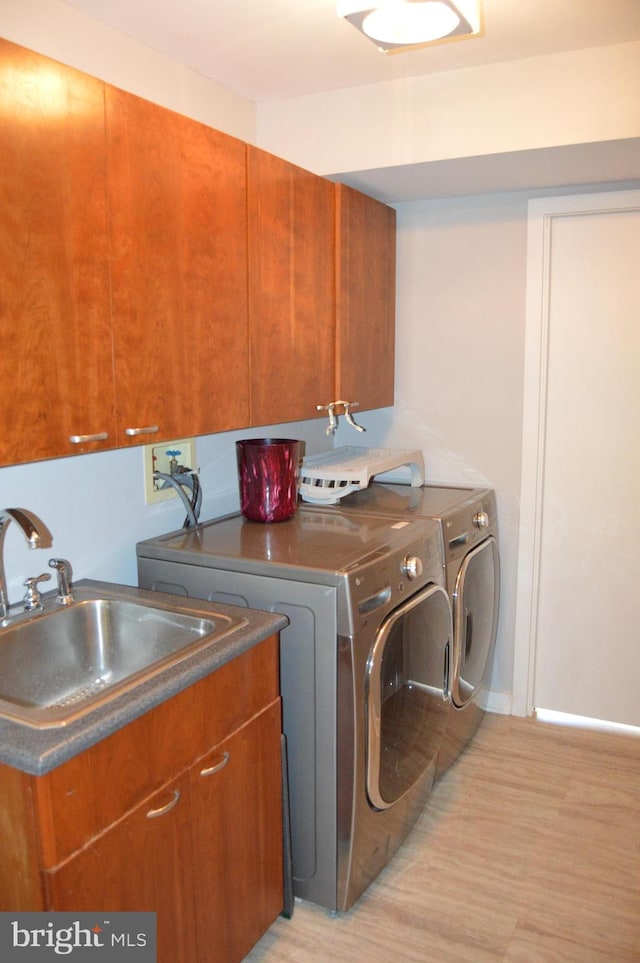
475	620
407	695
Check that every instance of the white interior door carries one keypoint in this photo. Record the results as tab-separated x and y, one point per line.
581	472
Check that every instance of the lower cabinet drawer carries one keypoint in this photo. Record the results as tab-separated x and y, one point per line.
81	798
142	862
204	853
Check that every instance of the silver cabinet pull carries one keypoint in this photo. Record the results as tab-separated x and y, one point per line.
148	430
218	766
81	439
165	809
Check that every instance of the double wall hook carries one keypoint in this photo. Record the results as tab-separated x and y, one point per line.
332	427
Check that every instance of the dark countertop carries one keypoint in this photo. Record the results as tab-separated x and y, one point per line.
37	751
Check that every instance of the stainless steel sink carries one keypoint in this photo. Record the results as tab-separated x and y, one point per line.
64	662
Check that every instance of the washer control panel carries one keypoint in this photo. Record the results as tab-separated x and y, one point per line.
412	566
481	520
469	525
378	584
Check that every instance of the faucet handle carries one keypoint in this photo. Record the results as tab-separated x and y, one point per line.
32	598
63	568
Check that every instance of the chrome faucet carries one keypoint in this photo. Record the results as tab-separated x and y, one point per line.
36	536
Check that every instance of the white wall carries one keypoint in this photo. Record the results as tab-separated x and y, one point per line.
577	97
460	345
94	504
460	358
462	260
65	34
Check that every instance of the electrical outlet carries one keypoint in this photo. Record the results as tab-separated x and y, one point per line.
160	458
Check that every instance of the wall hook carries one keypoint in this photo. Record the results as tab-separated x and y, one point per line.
332	427
349	417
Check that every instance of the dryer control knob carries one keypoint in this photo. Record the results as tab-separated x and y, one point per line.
412	566
481	520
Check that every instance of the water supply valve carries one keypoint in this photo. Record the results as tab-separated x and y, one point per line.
169	458
173	453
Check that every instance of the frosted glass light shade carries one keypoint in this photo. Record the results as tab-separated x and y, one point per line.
405	24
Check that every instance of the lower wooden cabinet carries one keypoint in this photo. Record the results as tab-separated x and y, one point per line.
142	862
203	849
237	870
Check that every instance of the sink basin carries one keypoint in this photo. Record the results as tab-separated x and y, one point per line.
60	664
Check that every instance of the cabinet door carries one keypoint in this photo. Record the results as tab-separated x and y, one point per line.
142	862
177	197
56	378
291	289
236	795
74	805
365	302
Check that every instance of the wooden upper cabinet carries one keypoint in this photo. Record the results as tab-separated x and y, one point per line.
159	274
56	378
291	289
365	299
177	200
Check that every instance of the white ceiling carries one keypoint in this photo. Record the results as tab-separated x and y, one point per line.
272	49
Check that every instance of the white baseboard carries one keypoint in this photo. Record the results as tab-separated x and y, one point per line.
584	722
498	702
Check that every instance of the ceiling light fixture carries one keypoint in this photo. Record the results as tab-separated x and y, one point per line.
395	25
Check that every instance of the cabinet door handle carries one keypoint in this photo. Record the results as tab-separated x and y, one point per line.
165	809
218	766
81	439
148	430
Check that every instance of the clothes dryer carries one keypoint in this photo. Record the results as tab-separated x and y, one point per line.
468	523
364	667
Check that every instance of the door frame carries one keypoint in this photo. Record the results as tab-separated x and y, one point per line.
541	214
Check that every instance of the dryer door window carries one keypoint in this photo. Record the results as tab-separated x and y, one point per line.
475	618
407	695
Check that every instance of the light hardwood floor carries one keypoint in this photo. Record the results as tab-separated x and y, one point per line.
528	852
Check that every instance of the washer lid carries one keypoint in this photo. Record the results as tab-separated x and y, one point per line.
315	546
431	501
